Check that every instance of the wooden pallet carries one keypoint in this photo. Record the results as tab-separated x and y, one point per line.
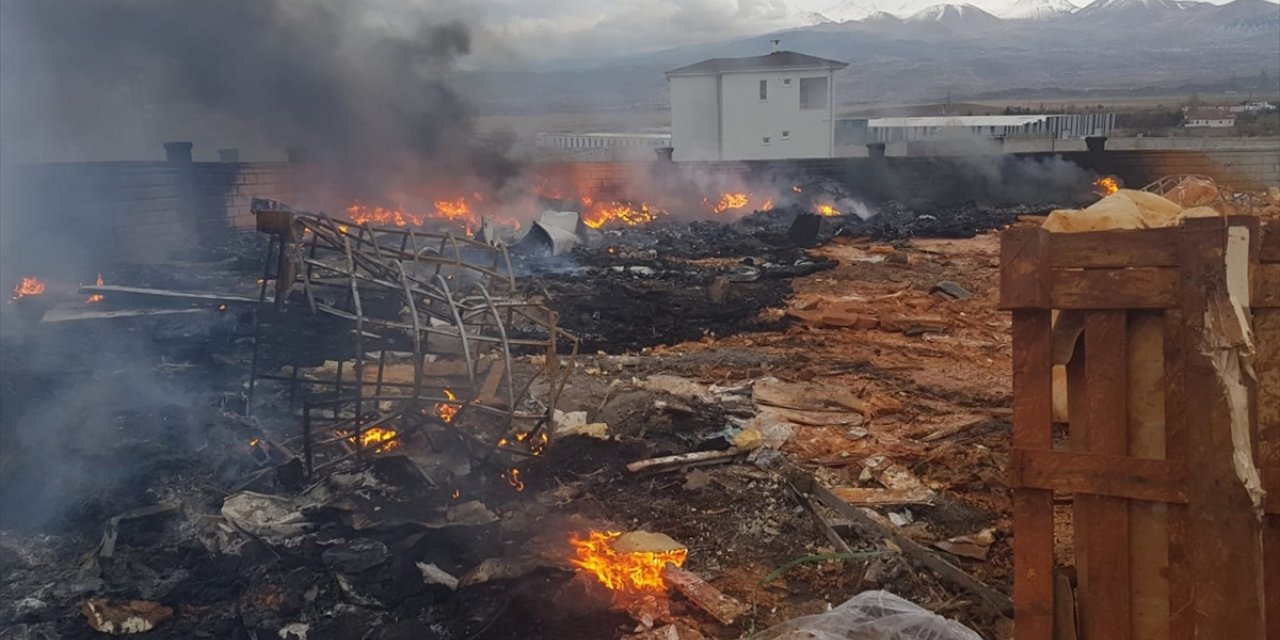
1167	542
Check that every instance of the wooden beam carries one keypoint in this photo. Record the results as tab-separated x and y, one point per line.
1024	268
1148	522
1266	327
1224	538
1033	507
1105	602
1181	624
1095	474
1126	248
1135	288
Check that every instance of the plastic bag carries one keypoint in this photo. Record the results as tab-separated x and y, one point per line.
871	615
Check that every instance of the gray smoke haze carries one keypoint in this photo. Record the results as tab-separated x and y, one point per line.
369	101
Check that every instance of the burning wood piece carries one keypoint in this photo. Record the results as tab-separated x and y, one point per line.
628	563
122	618
700	592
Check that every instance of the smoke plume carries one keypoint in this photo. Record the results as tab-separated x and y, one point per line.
369	102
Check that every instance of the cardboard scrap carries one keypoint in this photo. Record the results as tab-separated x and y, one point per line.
120	618
973	546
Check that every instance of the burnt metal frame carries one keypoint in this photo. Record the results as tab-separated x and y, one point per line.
427	272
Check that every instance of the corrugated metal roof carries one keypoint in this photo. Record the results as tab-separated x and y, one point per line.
957	121
775	60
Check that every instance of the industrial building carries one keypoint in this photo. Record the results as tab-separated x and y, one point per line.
769	107
856	131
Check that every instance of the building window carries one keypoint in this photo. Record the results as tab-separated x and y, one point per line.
813	93
765	140
764	89
786	82
786	135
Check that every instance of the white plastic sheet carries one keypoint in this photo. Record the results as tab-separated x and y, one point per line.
871	615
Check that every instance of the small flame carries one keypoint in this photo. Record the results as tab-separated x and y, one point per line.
826	210
730	202
380	439
456	494
222	307
361	214
342	228
623	572
447	410
512	477
455	210
796	189
767	206
30	286
97	297
600	214
1106	185
253	444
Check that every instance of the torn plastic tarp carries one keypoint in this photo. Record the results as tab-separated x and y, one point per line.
871	615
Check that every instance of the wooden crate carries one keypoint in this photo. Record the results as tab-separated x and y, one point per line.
1166	540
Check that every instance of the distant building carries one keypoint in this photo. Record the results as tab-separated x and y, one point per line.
604	146
1209	118
854	131
758	108
1252	107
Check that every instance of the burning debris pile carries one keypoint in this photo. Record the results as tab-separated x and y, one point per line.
365	430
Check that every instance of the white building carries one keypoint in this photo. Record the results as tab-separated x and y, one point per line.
1209	118
1253	107
759	108
602	140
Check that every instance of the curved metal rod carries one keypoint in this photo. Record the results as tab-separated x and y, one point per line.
506	349
417	331
462	331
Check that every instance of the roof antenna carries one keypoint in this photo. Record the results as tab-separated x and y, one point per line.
776	47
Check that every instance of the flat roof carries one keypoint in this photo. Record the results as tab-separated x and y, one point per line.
775	60
656	136
957	121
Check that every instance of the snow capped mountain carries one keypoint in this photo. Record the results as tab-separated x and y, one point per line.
961	16
1037	9
1135	8
854	10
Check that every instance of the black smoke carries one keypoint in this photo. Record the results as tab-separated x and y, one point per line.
366	95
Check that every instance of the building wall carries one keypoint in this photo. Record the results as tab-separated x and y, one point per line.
748	119
695	117
1218	123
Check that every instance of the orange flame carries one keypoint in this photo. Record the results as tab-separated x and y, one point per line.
455	210
826	210
30	286
361	214
602	213
512	477
97	297
729	202
380	439
255	442
623	572
1106	185
457	494
767	206
447	410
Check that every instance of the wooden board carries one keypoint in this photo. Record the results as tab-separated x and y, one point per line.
1266	327
1033	593
1148	522
1223	537
1098	475
1024	268
1137	288
1137	248
1181	624
1106	601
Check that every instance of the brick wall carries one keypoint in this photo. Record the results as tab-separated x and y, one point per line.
108	212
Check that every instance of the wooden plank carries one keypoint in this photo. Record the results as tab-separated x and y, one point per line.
1148	522
1099	475
1136	288
1032	508
1024	268
1266	286
1078	414
1266	327
1064	607
1269	245
1127	248
1105	603
1181	624
1223	536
